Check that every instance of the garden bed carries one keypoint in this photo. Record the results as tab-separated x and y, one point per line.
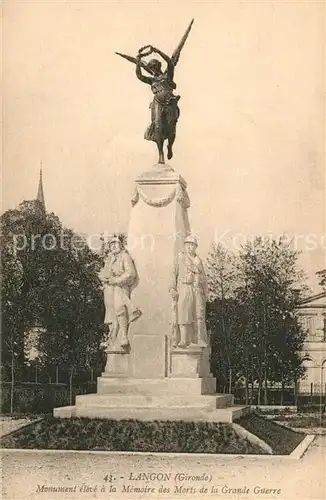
304	420
282	440
131	435
7	425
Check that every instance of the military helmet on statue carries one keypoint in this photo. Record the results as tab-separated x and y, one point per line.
115	239
191	239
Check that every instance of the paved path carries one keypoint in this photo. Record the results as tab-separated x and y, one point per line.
30	475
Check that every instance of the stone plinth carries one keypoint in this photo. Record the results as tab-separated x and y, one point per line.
157	401
158	226
192	362
118	362
147	350
159	387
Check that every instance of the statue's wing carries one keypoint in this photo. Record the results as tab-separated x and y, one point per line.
177	52
134	60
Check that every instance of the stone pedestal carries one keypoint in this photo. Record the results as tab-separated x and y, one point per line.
192	362
118	363
158	226
154	380
149	355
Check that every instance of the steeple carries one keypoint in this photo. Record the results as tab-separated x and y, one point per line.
40	192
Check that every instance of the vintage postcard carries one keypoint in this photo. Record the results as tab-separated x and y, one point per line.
163	250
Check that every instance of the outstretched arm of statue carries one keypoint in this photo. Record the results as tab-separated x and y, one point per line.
139	74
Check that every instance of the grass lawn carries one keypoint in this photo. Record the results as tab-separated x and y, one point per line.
130	435
282	441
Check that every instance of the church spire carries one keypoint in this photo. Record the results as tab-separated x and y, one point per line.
40	192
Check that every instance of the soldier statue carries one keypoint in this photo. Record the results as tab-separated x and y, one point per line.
119	278
189	294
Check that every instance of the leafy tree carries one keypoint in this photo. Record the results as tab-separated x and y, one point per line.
259	336
59	289
221	314
268	290
12	318
15	225
72	309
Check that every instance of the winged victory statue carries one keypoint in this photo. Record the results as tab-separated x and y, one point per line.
165	111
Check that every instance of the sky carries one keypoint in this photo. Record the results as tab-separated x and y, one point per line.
251	135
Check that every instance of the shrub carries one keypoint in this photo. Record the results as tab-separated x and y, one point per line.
312	408
40	398
130	435
282	441
304	420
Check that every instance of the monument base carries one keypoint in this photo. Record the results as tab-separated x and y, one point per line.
192	362
155	381
117	362
148	399
187	394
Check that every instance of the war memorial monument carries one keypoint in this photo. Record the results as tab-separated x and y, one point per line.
158	350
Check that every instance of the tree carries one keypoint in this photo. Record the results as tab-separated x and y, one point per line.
269	284
15	311
73	310
12	318
256	331
59	288
221	315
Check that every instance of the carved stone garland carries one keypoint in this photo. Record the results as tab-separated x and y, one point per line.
178	192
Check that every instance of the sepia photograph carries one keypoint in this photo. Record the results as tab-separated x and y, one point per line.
163	250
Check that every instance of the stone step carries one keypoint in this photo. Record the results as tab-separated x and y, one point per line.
168	386
190	414
158	401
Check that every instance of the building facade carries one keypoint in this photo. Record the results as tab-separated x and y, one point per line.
312	311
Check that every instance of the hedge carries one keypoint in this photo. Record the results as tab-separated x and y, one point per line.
40	398
130	435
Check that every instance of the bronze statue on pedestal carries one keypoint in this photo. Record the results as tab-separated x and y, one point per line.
164	107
